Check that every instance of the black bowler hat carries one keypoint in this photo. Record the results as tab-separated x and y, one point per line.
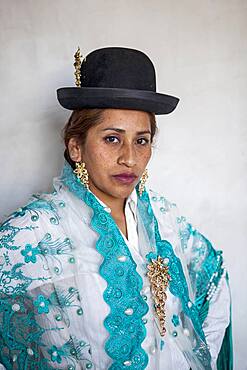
116	77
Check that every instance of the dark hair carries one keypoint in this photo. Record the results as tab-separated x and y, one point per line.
82	120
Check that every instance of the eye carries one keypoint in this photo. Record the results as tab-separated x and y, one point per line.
142	141
112	139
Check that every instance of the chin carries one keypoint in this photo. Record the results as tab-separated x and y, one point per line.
122	192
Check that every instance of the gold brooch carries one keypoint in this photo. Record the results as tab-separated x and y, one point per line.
159	280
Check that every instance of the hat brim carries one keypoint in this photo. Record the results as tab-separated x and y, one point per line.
95	97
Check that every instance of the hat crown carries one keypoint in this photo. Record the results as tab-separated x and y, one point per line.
117	67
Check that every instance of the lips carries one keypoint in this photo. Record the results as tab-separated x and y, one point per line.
125	178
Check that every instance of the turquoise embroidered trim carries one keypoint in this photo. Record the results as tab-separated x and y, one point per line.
124	323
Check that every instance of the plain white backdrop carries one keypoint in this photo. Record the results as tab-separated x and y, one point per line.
199	49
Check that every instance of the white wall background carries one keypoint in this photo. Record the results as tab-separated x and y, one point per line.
200	52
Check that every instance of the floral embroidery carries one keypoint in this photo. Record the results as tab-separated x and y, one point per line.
55	354
72	351
62	300
14	281
49	250
30	253
42	304
8	235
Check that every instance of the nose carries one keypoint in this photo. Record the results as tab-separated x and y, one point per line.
127	155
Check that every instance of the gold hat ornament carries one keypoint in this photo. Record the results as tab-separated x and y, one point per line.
77	66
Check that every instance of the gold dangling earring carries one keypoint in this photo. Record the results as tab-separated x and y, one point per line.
143	181
82	174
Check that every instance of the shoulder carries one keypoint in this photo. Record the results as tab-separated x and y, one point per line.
34	244
169	218
40	209
159	200
27	230
164	209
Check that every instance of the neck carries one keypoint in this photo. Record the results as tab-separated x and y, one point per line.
115	204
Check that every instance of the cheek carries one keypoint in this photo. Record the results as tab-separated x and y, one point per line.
98	158
144	157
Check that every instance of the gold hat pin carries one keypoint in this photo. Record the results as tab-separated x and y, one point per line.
77	66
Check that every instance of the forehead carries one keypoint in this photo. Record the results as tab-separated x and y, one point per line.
128	120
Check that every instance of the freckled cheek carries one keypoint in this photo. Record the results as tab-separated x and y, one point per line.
143	159
100	164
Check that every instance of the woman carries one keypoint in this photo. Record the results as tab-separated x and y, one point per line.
102	273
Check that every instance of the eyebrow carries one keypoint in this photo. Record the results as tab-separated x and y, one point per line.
123	131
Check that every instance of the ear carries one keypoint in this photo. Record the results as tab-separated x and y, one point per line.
74	149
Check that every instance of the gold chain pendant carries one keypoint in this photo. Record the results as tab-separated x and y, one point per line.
159	280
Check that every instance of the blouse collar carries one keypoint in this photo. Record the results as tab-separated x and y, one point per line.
131	202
